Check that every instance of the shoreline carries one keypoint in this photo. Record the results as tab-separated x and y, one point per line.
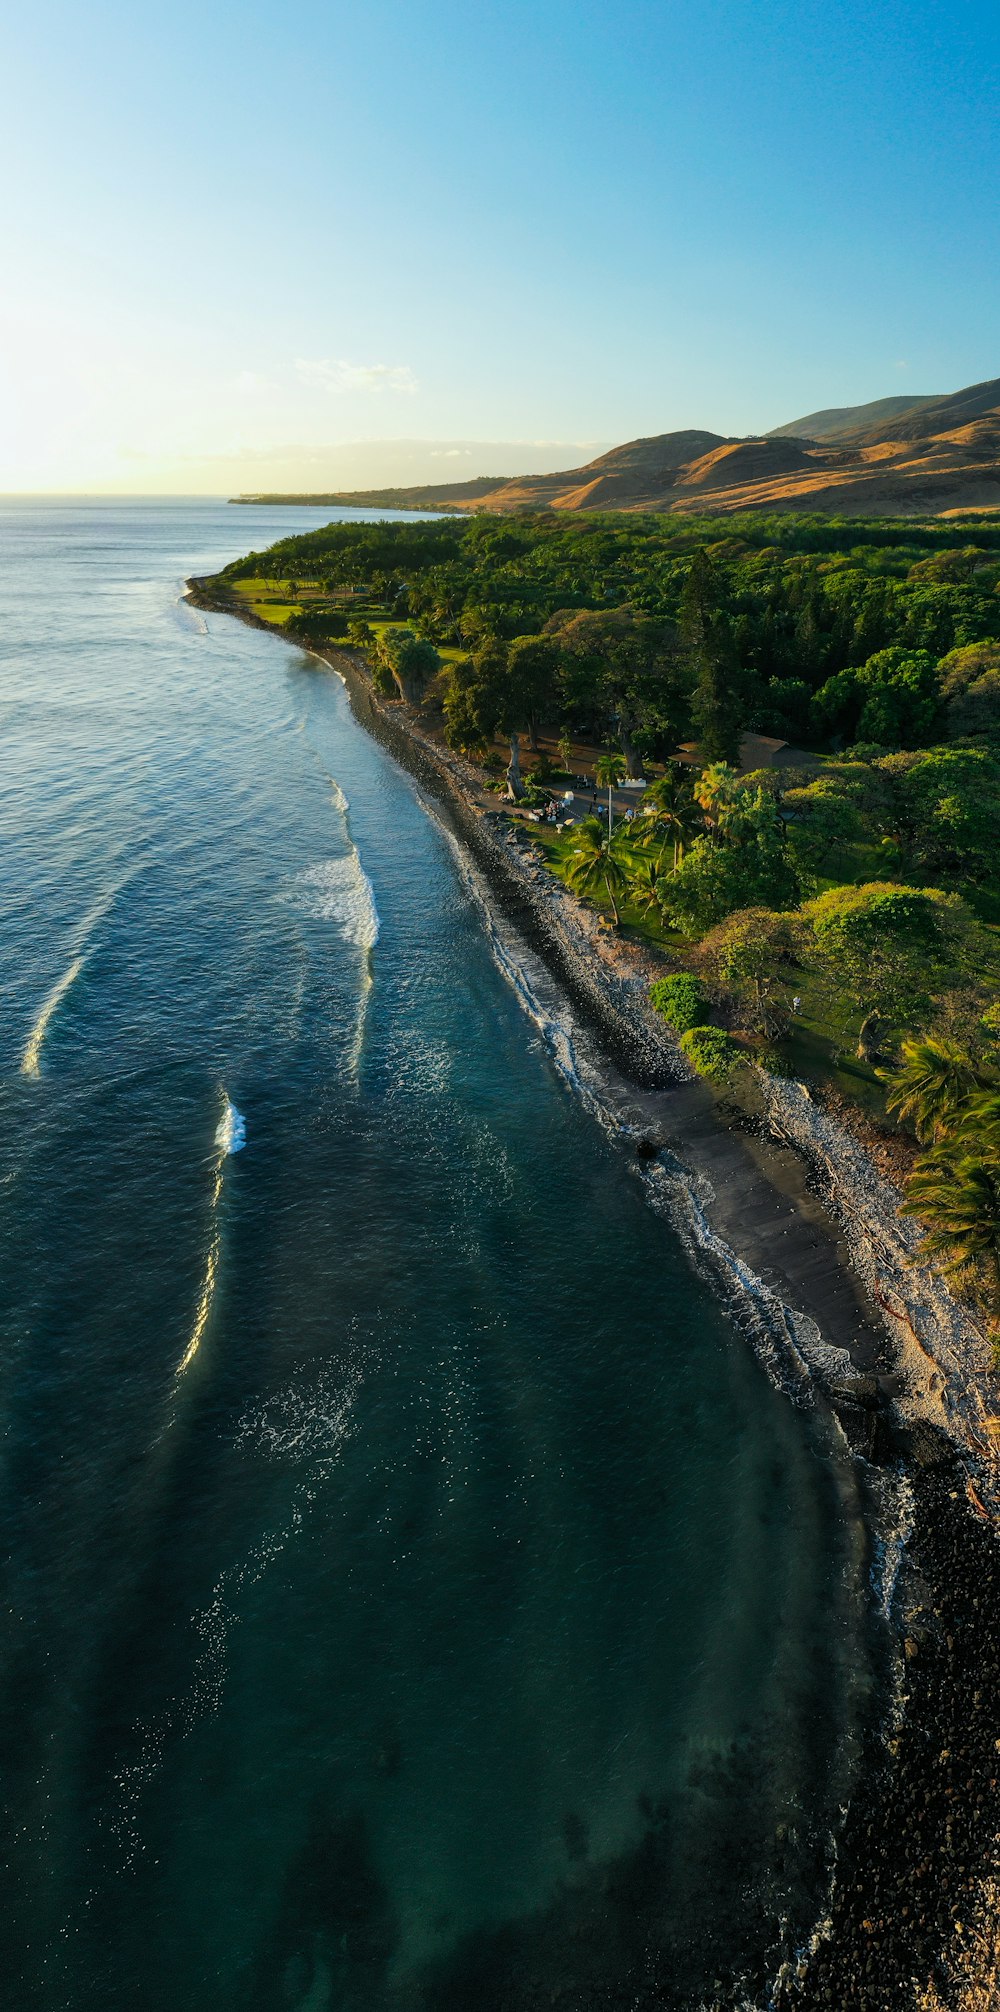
789	1209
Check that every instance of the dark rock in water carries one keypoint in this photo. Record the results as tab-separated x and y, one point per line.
927	1446
884	1440
863	1390
647	1149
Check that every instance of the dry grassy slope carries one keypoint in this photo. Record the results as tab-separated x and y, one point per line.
840	421
942	455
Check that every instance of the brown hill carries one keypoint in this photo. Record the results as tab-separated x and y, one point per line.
928	457
840	422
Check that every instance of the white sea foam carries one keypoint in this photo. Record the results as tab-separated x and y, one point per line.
339	891
31	1059
231	1136
194	615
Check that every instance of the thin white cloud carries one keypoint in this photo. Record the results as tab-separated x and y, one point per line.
335	374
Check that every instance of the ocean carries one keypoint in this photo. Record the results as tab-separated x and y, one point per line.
415	1593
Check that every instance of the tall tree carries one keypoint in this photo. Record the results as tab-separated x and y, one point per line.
410	660
533	664
621	668
595	859
668	816
709	652
609	771
494	692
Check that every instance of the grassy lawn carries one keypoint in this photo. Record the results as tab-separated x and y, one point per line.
275	611
379	623
267	599
272	601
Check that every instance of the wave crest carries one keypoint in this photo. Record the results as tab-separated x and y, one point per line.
231	1136
339	891
31	1059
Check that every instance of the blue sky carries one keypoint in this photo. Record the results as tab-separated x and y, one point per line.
236	240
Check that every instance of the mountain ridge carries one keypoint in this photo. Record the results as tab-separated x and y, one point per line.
929	456
840	421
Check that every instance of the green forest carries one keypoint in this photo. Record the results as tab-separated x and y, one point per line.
837	915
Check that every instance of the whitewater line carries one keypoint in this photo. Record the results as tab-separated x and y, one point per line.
230	1138
339	891
206	1296
31	1059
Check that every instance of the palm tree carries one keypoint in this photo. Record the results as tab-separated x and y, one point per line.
715	793
977	1126
668	811
594	858
565	746
610	769
959	1204
644	877
933	1083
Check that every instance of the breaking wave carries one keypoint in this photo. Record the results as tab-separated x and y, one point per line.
196	619
230	1137
32	1056
339	891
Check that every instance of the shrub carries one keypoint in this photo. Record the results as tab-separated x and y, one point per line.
712	1052
680	1000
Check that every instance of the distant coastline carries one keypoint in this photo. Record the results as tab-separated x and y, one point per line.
797	1202
901	457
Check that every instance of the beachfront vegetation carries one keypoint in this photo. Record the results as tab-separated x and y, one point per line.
815	704
712	1053
954	1188
681	1000
595	859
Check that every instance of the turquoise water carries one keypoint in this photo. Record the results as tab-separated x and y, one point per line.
415	1593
